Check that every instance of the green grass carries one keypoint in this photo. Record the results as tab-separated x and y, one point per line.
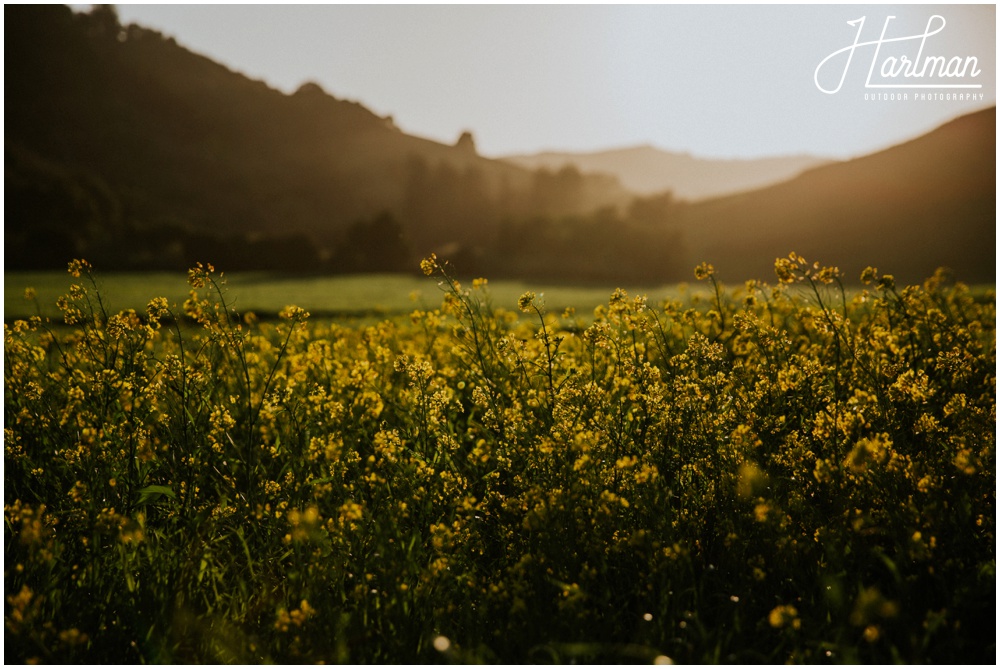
267	294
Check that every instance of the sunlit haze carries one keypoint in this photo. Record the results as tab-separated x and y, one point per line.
712	80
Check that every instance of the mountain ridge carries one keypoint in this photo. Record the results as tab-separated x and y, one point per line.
182	142
646	169
168	158
908	209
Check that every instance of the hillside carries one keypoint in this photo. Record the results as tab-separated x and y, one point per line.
647	170
117	138
125	148
908	209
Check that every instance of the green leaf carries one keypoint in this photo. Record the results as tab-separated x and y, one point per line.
152	493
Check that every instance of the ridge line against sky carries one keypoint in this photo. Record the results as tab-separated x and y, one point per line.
710	80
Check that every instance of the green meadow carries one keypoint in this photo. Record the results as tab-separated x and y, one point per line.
267	294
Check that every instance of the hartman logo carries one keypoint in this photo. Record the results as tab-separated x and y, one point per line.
899	62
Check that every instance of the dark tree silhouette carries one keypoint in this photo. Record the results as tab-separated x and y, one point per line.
378	244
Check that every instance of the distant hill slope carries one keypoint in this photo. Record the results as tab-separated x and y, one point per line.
111	127
122	147
908	209
647	170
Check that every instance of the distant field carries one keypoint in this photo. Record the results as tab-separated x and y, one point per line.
331	296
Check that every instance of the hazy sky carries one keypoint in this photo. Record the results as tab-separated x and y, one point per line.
714	80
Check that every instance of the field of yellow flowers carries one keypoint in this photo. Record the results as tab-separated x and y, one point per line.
767	474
